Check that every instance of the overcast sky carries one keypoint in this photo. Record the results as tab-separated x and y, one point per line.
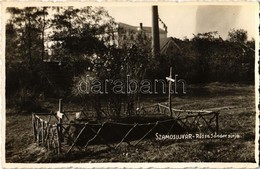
186	20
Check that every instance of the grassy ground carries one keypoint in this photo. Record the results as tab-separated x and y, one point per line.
239	119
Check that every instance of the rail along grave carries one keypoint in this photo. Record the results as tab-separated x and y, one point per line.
57	131
71	130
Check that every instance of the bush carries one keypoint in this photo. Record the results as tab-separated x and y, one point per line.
25	101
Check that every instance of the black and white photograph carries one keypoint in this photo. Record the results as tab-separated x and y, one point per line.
153	84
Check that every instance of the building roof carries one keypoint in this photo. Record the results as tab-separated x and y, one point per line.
147	29
167	45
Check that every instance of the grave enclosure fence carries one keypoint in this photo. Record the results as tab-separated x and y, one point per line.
62	133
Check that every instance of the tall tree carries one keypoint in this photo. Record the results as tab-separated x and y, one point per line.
30	24
81	34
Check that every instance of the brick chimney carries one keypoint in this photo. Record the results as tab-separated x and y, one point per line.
155	32
141	26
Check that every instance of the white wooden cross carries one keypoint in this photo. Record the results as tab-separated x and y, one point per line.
169	96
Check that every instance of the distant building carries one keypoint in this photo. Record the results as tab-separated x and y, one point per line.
135	29
126	31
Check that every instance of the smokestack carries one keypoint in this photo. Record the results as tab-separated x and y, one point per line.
141	26
155	32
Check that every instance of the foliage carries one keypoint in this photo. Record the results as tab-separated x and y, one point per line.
130	60
87	40
237	35
81	35
225	61
209	58
27	26
78	39
25	38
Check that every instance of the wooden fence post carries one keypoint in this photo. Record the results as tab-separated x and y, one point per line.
34	127
58	127
60	110
38	131
42	138
60	116
169	96
158	108
217	125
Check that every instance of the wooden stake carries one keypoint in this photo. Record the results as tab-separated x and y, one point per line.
52	141
59	140
49	119
94	136
125	136
46	138
34	129
38	131
60	110
60	118
75	141
169	96
158	108
146	133
42	133
217	127
174	122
